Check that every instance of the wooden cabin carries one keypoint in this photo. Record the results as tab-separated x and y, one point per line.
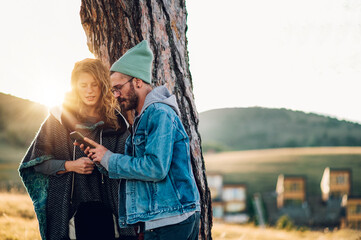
291	190
234	197
353	212
335	183
217	210
215	184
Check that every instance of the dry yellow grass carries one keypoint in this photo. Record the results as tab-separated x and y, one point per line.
17	217
18	222
15	228
230	161
249	232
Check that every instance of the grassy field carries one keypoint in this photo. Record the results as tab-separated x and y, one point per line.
250	232
17	217
18	222
9	161
11	153
259	169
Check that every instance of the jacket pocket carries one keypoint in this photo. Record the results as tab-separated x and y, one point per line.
139	142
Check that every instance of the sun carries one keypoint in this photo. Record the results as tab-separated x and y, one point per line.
51	97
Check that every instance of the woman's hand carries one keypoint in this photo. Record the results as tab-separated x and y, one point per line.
82	165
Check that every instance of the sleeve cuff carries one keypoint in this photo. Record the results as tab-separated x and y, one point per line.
105	160
50	167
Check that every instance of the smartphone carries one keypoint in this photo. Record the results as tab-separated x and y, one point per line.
80	139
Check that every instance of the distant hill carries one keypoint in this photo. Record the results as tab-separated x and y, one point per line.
20	119
221	129
260	128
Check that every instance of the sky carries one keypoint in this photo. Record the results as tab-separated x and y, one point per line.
301	55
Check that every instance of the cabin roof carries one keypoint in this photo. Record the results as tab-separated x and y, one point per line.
234	185
340	170
289	176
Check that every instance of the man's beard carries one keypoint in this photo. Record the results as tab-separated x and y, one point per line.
132	100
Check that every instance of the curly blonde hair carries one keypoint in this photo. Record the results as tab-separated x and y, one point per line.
107	103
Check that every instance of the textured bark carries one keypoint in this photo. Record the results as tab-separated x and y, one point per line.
112	27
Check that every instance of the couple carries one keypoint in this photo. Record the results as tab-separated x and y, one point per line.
129	185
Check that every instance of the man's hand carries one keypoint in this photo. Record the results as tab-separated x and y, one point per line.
82	165
96	153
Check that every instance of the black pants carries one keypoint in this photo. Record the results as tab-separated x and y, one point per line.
94	221
186	230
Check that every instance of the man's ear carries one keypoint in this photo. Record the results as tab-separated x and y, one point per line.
138	83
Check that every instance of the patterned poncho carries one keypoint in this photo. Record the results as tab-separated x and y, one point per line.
56	198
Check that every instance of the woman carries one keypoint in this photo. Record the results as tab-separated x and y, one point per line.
68	190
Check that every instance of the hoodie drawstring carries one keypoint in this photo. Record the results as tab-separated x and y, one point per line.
101	143
73	179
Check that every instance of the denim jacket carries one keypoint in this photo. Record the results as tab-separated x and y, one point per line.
156	166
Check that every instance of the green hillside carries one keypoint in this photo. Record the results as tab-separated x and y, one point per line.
20	119
221	129
260	128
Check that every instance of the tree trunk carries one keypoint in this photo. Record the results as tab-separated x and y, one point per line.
113	27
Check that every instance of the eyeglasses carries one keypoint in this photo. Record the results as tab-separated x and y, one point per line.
118	87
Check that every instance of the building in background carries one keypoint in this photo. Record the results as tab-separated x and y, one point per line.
215	184
234	197
229	201
291	190
217	210
334	208
353	212
335	183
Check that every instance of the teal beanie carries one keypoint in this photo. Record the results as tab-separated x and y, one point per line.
136	62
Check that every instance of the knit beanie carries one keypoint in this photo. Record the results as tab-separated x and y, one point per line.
136	62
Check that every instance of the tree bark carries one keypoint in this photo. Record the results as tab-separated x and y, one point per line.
113	27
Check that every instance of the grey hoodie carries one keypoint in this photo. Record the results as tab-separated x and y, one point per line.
160	95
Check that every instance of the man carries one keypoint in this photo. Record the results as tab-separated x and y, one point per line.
158	188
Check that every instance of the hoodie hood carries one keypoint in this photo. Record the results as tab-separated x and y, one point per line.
56	112
69	121
160	95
